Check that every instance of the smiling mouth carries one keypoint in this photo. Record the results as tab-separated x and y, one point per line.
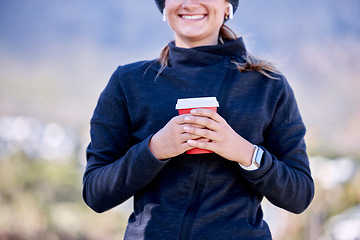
193	17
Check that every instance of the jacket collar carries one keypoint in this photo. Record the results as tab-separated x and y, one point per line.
205	55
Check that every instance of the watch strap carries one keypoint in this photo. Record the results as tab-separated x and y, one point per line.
256	159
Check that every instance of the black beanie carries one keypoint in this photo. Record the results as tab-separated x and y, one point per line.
161	4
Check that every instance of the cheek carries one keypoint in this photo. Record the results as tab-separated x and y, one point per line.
171	19
221	15
171	4
171	9
219	19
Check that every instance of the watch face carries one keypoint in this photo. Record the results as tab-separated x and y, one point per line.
256	160
258	157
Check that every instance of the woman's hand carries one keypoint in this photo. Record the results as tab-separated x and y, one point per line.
223	140
172	139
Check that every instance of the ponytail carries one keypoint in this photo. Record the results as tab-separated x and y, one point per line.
251	63
163	59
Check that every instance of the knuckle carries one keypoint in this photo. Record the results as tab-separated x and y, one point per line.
211	113
189	136
202	144
206	133
188	129
208	122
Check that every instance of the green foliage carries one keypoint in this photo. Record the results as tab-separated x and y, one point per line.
42	200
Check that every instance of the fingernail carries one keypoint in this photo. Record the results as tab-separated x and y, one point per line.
193	111
187	118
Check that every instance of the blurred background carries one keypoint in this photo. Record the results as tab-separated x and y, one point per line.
57	56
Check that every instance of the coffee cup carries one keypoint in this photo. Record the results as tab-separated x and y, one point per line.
185	105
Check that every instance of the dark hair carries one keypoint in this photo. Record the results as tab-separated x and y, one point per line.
251	63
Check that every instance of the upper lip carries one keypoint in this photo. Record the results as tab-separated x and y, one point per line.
191	14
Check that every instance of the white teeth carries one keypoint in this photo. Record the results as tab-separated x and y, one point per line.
193	17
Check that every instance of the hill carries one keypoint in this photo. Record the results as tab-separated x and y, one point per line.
56	57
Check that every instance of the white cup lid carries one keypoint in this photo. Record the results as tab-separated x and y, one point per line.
197	102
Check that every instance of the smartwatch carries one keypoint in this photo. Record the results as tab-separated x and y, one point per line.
256	159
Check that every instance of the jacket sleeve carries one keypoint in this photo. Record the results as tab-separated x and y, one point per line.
284	177
116	168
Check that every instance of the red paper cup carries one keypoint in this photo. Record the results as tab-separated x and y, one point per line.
185	105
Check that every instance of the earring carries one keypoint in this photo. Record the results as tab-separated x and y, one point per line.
231	11
164	15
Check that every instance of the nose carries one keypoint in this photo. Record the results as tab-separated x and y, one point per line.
189	4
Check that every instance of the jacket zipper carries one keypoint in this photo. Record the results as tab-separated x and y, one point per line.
225	87
200	181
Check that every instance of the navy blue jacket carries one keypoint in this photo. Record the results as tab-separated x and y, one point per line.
196	196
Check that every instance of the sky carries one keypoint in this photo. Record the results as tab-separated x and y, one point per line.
56	57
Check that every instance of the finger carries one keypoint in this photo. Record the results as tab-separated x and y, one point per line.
187	136
200	132
202	139
200	144
203	112
179	119
204	122
192	125
185	146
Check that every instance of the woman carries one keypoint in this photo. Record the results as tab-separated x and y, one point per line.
138	141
